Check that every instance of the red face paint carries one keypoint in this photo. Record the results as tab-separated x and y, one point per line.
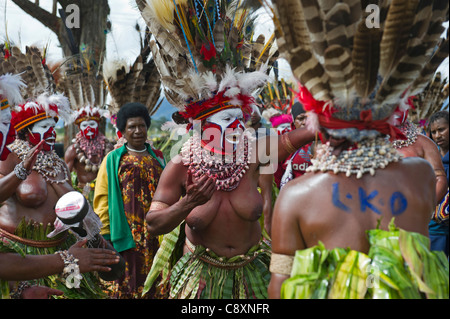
43	131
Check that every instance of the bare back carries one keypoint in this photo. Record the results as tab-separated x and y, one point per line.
338	210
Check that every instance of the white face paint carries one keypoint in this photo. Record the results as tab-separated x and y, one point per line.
89	128
91	123
45	129
5	123
282	128
230	122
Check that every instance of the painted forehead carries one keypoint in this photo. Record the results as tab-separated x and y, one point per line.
91	123
234	113
44	123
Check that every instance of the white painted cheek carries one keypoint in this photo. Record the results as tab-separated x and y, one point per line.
43	127
4	128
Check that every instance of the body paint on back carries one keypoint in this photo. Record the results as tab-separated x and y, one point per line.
368	201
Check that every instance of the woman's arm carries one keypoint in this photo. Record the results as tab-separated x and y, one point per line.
273	149
14	267
101	198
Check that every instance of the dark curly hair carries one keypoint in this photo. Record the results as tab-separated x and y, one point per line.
439	115
130	110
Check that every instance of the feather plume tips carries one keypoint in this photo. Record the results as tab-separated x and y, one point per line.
37	86
205	48
10	87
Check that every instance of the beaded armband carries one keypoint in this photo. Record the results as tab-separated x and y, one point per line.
21	172
439	172
71	273
17	293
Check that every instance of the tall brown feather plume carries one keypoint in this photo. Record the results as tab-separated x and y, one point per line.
291	33
338	64
315	21
311	74
366	59
395	35
431	99
440	54
389	60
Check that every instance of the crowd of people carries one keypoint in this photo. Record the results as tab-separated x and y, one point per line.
256	181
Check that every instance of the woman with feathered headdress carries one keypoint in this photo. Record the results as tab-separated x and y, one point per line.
212	67
27	214
353	76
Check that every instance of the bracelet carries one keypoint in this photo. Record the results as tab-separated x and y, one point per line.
287	145
17	293
71	274
21	172
281	264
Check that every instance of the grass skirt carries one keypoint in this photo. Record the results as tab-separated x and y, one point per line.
201	274
90	287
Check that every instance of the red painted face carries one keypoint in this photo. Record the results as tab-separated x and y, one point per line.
284	128
225	128
89	129
43	131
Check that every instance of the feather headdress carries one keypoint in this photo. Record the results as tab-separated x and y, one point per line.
430	100
205	54
10	95
139	82
356	66
40	98
10	89
82	81
277	99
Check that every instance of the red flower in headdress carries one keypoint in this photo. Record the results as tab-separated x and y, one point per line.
209	52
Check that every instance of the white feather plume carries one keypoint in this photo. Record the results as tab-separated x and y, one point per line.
10	86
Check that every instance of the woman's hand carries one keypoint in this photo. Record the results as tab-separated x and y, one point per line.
40	292
93	259
199	190
31	157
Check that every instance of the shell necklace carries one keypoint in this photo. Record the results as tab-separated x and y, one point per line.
367	157
48	164
411	131
228	170
87	149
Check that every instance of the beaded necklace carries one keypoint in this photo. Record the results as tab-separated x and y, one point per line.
227	169
411	131
367	157
48	164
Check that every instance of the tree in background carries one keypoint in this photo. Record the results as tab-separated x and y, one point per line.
78	23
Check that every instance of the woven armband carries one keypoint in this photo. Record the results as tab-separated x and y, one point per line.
439	172
287	145
157	205
281	264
